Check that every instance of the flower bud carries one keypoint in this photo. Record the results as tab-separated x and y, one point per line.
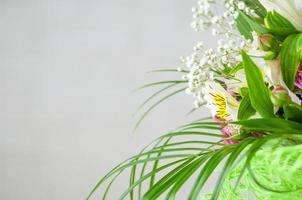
270	55
268	43
280	96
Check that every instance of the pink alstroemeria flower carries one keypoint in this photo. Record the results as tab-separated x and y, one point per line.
298	81
229	131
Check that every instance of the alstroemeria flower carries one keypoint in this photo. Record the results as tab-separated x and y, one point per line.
229	131
298	81
272	70
223	105
290	9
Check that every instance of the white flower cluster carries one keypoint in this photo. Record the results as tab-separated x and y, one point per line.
205	15
200	71
205	65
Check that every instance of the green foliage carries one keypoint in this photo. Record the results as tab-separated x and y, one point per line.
180	162
162	168
207	170
229	165
172	151
291	55
246	109
235	69
258	91
272	125
257	7
293	112
246	26
278	25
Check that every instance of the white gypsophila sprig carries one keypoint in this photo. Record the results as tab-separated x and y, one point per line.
206	16
205	65
200	65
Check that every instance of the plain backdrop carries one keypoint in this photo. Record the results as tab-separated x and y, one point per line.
67	73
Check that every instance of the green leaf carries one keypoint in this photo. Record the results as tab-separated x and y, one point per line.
125	165
273	125
228	166
147	176
156	94
258	92
192	142
236	68
243	91
291	54
246	26
143	169
246	109
169	70
162	148
164	183
184	176
155	105
207	170
257	7
161	83
183	133
293	112
279	25
257	144
109	185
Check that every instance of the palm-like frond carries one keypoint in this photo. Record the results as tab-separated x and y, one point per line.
179	160
160	153
168	84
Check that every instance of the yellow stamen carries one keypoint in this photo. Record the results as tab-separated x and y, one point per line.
221	111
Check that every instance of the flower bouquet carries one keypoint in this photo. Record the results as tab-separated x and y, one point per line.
252	84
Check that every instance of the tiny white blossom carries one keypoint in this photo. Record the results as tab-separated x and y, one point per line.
241	5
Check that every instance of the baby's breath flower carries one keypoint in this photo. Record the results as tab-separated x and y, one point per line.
205	64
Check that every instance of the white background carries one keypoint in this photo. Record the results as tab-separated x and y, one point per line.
67	73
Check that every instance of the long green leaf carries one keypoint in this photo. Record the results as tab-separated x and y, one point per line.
143	170
293	112
291	54
184	176
161	83
229	165
162	149
273	125
155	105
258	91
156	94
206	171
165	182
124	166
279	25
169	70
109	185
246	109
257	144
148	175
183	133
257	7
246	26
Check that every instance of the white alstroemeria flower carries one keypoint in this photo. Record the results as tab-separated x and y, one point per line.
222	104
290	9
239	81
272	70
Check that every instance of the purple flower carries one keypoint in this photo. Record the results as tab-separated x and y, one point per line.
229	131
298	81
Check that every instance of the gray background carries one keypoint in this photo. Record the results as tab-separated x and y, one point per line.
67	74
